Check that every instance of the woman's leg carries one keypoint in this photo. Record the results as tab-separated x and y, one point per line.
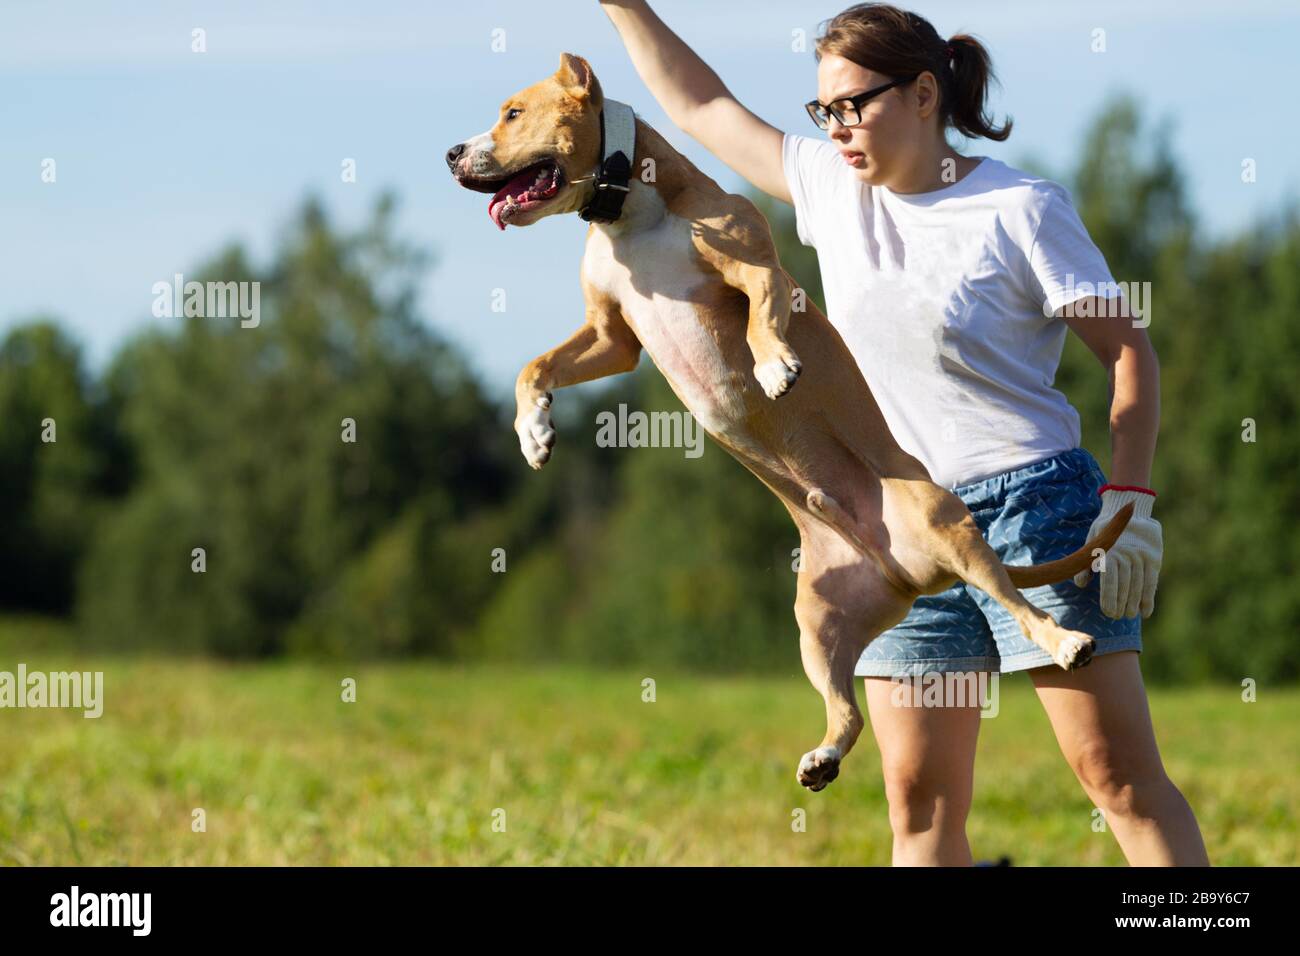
1102	722
928	758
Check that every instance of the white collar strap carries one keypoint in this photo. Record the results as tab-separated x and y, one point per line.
617	147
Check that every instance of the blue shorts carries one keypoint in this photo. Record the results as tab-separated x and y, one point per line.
1028	515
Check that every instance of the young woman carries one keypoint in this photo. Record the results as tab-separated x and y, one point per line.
953	280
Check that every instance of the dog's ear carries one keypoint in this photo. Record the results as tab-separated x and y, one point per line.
576	76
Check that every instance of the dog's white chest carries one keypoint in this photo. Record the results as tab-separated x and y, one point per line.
656	278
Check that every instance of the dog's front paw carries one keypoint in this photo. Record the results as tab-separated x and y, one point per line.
819	767
778	375
1075	650
536	434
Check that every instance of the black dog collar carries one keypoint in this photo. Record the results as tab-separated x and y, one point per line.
617	146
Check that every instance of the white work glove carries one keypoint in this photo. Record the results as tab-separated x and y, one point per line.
1131	568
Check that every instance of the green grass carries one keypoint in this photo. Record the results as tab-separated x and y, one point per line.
584	770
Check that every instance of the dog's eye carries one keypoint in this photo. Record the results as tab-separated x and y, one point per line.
511	114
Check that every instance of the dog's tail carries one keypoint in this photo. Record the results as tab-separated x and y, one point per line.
1034	575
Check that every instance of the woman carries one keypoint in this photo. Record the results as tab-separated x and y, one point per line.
953	280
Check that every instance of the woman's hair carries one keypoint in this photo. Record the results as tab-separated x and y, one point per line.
883	38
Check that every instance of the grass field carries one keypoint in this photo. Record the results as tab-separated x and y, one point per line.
580	768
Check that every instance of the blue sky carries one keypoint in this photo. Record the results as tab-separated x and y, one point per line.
164	155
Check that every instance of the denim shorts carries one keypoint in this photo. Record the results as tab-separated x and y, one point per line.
1028	515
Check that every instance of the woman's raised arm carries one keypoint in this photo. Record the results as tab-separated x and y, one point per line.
697	100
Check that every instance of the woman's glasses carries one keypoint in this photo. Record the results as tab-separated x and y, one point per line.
848	109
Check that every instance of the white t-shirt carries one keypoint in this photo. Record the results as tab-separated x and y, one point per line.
940	298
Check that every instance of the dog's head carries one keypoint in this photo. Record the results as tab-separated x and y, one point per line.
545	137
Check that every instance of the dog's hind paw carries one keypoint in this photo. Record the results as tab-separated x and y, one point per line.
778	375
1075	650
819	767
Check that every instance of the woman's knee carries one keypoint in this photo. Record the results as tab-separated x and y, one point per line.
1119	785
921	801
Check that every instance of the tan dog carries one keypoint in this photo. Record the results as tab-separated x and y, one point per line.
690	273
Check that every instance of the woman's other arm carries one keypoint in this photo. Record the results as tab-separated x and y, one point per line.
1125	352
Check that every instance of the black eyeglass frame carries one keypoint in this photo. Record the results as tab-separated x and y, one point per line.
823	120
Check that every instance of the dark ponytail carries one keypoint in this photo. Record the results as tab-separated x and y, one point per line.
893	42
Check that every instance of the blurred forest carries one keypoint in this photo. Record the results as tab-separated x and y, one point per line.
207	435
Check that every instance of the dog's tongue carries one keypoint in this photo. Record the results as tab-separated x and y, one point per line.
515	188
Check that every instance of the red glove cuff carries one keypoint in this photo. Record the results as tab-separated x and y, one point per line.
1145	491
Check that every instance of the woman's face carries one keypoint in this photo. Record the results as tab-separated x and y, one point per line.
892	126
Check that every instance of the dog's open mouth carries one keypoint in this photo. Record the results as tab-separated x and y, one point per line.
526	189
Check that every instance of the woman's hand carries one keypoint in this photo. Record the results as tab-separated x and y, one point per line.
1130	570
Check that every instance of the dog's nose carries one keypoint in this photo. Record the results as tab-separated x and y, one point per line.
454	154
